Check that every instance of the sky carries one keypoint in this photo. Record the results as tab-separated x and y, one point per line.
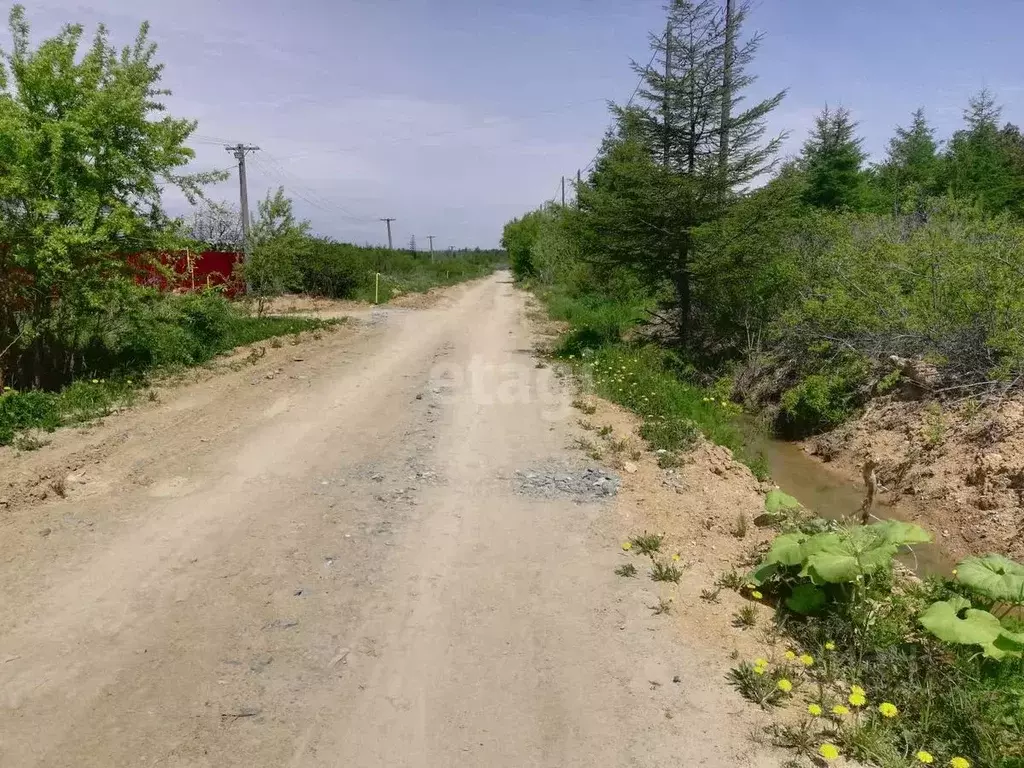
453	116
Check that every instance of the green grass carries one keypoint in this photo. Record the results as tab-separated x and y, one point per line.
642	376
91	398
647	543
418	275
245	329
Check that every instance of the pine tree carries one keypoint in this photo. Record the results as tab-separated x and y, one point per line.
832	159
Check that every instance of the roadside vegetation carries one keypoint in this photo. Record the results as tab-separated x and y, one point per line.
873	664
701	275
799	287
87	152
286	258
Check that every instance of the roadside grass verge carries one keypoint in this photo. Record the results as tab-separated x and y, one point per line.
419	275
181	345
642	377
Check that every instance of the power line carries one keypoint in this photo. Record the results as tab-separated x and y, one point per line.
306	194
453	131
632	96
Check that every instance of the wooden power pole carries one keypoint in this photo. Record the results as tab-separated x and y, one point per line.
431	239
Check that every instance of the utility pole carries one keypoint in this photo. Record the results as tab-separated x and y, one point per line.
579	183
431	239
563	191
239	151
723	146
388	222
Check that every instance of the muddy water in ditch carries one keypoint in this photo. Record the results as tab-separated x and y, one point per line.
836	496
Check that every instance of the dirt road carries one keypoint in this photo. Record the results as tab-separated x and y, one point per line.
323	560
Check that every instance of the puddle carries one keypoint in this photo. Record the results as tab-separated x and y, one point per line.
835	496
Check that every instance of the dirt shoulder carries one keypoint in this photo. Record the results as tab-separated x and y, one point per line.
958	468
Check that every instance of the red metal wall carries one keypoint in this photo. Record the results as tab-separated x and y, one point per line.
193	271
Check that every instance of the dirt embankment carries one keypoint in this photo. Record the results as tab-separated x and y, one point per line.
958	468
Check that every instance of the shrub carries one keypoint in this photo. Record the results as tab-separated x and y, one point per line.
818	403
27	410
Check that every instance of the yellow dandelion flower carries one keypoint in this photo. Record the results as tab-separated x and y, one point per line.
784	685
858	691
814	710
925	757
95	381
756	595
857	700
676	557
790	656
959	762
840	710
830	646
828	751
627	545
807	660
760	662
760	670
887	709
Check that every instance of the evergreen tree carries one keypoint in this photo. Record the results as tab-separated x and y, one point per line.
670	148
832	159
983	163
910	171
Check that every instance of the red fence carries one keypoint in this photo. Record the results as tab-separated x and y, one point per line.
191	271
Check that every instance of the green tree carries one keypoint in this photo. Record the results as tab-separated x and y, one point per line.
663	174
832	158
277	244
518	239
985	164
86	149
911	169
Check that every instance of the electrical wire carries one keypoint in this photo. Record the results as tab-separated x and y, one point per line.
307	195
632	96
455	131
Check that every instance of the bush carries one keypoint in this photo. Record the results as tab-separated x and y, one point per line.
818	403
26	410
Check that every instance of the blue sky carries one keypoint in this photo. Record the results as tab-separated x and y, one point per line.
455	115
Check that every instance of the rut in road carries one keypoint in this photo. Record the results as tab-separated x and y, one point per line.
344	575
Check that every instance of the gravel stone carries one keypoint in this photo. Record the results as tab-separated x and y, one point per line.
554	480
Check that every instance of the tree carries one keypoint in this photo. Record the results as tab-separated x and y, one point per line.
687	149
85	153
218	225
983	163
832	158
277	244
911	168
518	239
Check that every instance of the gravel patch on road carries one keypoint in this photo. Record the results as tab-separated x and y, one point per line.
554	480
